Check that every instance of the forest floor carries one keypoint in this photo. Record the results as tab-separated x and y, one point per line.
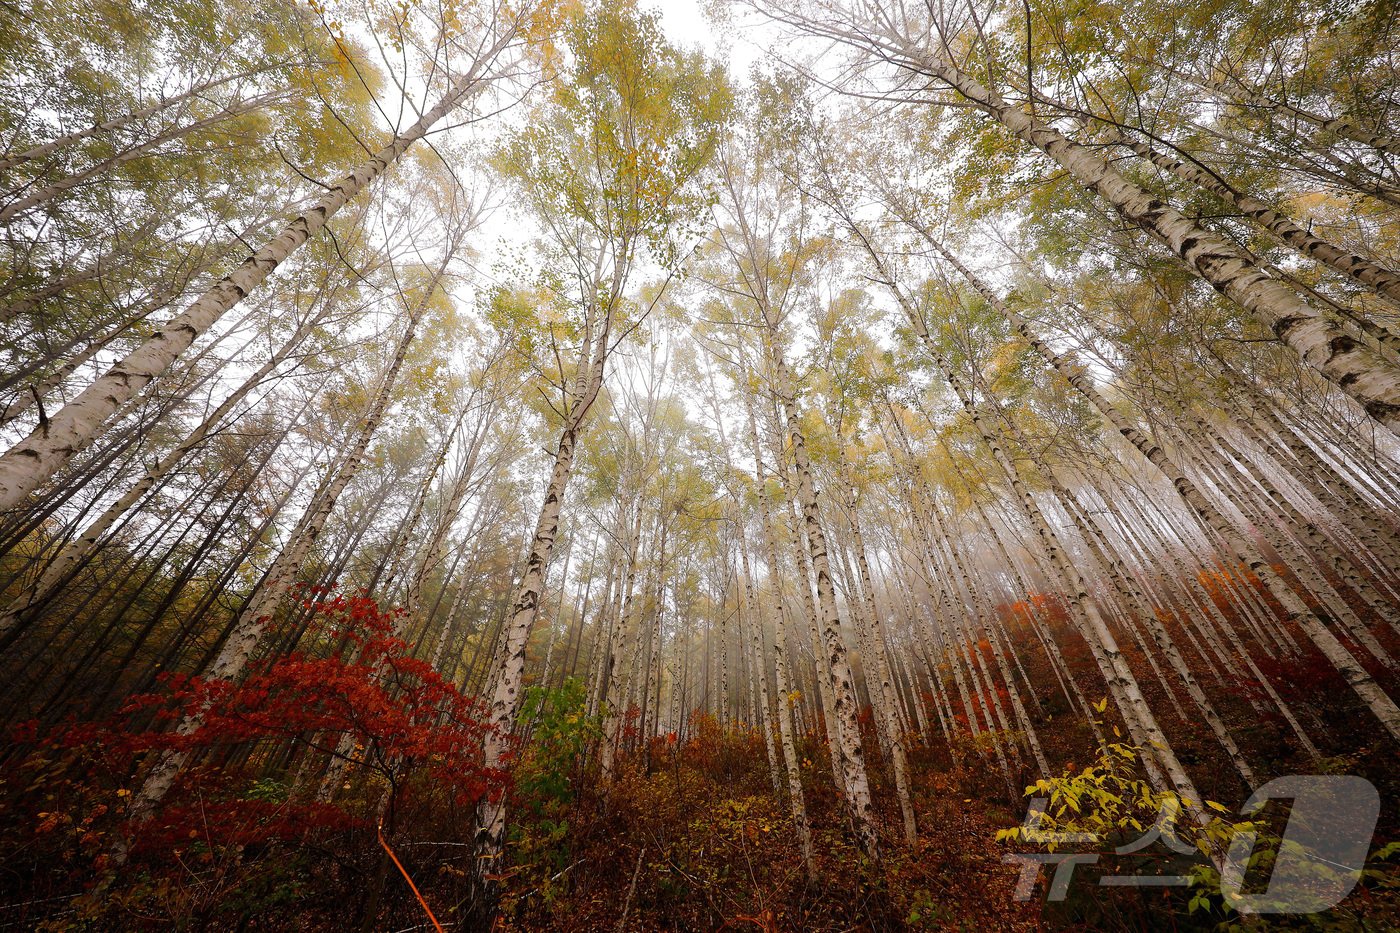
695	838
691	832
680	850
689	836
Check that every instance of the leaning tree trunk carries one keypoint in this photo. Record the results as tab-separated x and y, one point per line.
1344	126
1240	484
1369	273
165	103
253	619
1319	544
1138	716
1099	544
1371	380
60	570
1355	675
509	671
1326	483
434	551
51	445
803	584
908	472
983	614
48	193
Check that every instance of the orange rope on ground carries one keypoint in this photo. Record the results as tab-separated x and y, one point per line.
379	828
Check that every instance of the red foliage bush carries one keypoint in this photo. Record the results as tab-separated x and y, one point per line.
257	750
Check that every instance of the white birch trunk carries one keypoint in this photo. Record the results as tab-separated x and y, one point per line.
1355	675
1371	380
1371	274
60	569
858	803
62	142
47	193
24	467
256	614
899	753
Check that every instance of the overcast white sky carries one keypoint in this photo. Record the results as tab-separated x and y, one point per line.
686	25
682	19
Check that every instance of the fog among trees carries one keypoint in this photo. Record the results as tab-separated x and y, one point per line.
529	465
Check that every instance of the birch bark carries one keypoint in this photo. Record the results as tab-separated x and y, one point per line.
1356	676
51	445
253	619
1371	380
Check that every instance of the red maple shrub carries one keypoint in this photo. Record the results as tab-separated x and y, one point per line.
307	754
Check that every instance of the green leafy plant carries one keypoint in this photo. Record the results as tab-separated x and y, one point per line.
561	732
547	780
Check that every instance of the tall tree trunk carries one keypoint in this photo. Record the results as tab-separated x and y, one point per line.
48	193
1371	380
256	614
1343	126
106	126
61	569
1142	724
1371	274
858	803
51	445
1352	671
509	668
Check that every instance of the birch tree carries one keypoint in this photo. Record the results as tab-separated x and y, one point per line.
52	444
610	169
